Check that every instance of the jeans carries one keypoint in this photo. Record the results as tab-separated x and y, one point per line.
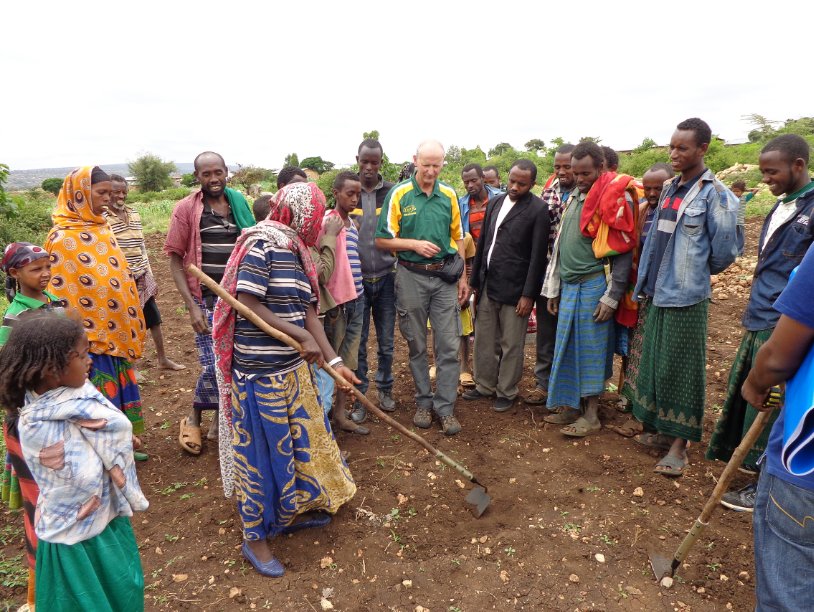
380	299
419	298
546	335
783	524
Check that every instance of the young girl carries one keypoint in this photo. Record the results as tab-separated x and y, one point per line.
28	271
79	448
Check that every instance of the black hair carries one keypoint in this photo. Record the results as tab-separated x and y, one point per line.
526	165
261	207
791	146
589	149
370	143
286	174
611	157
739	185
118	178
565	148
493	169
703	134
39	344
476	167
207	154
97	175
345	175
662	167
406	171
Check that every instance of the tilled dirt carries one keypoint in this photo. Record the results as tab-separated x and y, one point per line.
569	528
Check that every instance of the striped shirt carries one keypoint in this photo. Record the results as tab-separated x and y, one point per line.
275	276
130	236
352	249
408	212
218	237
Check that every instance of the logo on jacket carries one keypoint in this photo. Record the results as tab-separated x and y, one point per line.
803	220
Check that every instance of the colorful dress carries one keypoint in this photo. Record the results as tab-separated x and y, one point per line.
90	271
283	459
79	449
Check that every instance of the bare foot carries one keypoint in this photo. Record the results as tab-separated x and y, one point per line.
169	364
212	434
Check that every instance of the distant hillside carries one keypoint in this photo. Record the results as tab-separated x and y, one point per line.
25	179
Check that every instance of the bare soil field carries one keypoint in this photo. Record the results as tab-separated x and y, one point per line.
569	528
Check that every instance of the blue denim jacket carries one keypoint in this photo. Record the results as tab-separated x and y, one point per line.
463	204
705	241
783	252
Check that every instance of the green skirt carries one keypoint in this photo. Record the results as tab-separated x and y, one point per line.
102	574
668	392
737	415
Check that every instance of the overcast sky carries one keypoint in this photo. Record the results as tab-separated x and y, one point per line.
103	82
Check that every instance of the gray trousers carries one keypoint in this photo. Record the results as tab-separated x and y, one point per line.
419	298
546	335
499	341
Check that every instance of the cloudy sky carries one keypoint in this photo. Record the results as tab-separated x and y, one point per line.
102	82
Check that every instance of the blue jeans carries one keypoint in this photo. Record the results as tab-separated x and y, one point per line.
380	299
783	524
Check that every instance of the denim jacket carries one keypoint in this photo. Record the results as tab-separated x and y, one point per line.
463	204
782	253
705	241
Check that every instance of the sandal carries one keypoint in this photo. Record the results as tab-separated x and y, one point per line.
580	428
189	438
672	466
466	380
564	415
654	440
628	429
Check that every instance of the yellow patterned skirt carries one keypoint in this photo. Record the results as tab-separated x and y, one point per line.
286	458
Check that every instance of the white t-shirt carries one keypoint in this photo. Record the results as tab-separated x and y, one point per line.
508	204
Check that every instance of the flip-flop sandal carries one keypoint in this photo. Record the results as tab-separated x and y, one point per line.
466	380
189	437
563	416
671	466
653	440
580	428
628	429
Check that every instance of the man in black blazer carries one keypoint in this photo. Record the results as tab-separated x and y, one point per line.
507	276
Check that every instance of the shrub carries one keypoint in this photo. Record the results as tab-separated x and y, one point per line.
52	185
152	174
174	194
189	180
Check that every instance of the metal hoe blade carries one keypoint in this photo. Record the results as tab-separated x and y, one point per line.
661	565
478	500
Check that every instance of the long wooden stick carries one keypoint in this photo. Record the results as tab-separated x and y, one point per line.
249	314
734	463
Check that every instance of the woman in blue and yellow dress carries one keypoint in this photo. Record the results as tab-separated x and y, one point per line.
280	456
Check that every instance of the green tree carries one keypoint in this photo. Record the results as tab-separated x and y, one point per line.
52	185
291	160
500	149
246	176
535	144
152	173
374	134
317	164
189	180
4	201
595	139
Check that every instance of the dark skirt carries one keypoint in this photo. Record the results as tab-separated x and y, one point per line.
737	415
669	390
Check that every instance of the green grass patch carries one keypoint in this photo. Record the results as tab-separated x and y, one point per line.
13	571
760	205
155	215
